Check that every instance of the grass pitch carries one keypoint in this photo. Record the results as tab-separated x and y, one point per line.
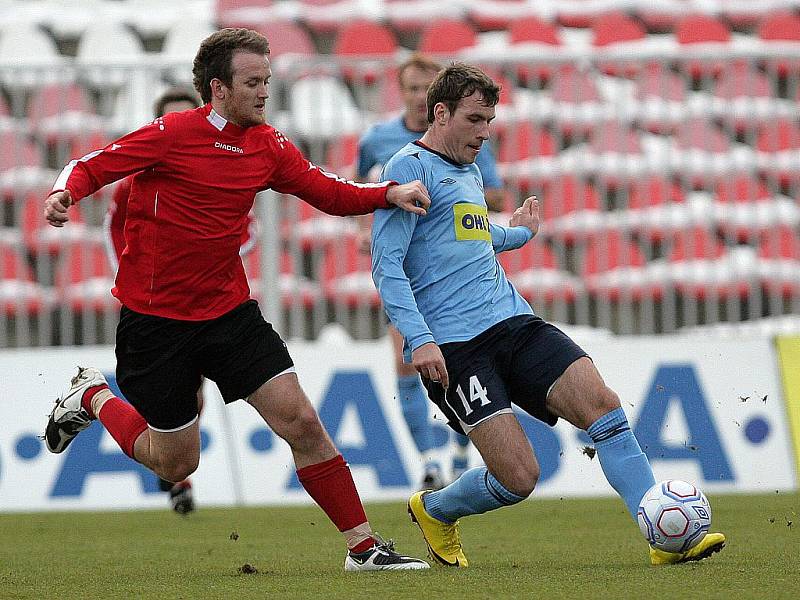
538	549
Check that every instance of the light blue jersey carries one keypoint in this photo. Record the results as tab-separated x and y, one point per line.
438	275
384	139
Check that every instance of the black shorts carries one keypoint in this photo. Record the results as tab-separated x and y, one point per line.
515	361
161	362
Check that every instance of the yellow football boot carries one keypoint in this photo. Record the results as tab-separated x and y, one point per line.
443	540
711	543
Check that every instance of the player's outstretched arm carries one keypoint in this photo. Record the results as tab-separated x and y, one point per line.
527	215
55	208
412	197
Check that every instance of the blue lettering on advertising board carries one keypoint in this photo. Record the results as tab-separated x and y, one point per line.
679	383
84	458
545	442
354	390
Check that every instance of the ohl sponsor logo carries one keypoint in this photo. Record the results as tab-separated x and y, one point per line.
473	221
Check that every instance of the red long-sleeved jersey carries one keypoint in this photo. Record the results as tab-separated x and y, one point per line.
188	207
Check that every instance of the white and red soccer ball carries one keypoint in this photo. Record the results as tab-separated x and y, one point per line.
674	516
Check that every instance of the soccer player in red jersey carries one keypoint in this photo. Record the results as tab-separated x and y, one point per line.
186	308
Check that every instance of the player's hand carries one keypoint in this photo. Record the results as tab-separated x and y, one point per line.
412	196
429	363
55	208
363	241
527	215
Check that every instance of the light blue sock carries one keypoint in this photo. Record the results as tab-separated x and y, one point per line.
414	404
625	465
475	492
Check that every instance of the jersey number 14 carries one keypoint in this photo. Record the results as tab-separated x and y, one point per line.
476	392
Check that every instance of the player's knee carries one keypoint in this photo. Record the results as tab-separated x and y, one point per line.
178	470
523	478
303	426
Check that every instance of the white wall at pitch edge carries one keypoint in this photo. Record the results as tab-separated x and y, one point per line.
705	410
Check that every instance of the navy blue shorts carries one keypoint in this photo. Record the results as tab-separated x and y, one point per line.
161	362
513	362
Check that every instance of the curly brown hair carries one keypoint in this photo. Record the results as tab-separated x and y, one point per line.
458	81
213	59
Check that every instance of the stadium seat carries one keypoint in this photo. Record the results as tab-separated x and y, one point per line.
697	29
19	292
84	278
701	267
739	197
180	46
497	14
102	50
662	96
362	39
22	169
347	275
578	102
62	117
519	147
778	143
571	208
242	13
322	108
341	155
409	17
534	271
446	37
39	237
655	206
324	17
779	28
312	228
294	287
614	268
779	262
617	28
532	29
747	92
33	56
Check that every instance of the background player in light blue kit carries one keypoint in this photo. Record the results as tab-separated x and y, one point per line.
476	342
375	148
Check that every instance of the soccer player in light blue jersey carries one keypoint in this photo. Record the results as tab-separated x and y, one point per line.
375	148
476	342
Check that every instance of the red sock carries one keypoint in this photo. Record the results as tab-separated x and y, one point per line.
331	486
123	423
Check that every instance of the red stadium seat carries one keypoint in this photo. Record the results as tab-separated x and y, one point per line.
294	287
702	135
285	37
614	268
701	266
62	112
781	140
19	292
570	208
702	29
22	167
525	141
39	237
740	84
779	262
654	191
446	36
84	277
365	39
617	28
499	14
534	271
781	27
240	13
533	30
313	228
341	156
739	196
347	275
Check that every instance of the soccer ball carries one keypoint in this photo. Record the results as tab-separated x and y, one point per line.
674	516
